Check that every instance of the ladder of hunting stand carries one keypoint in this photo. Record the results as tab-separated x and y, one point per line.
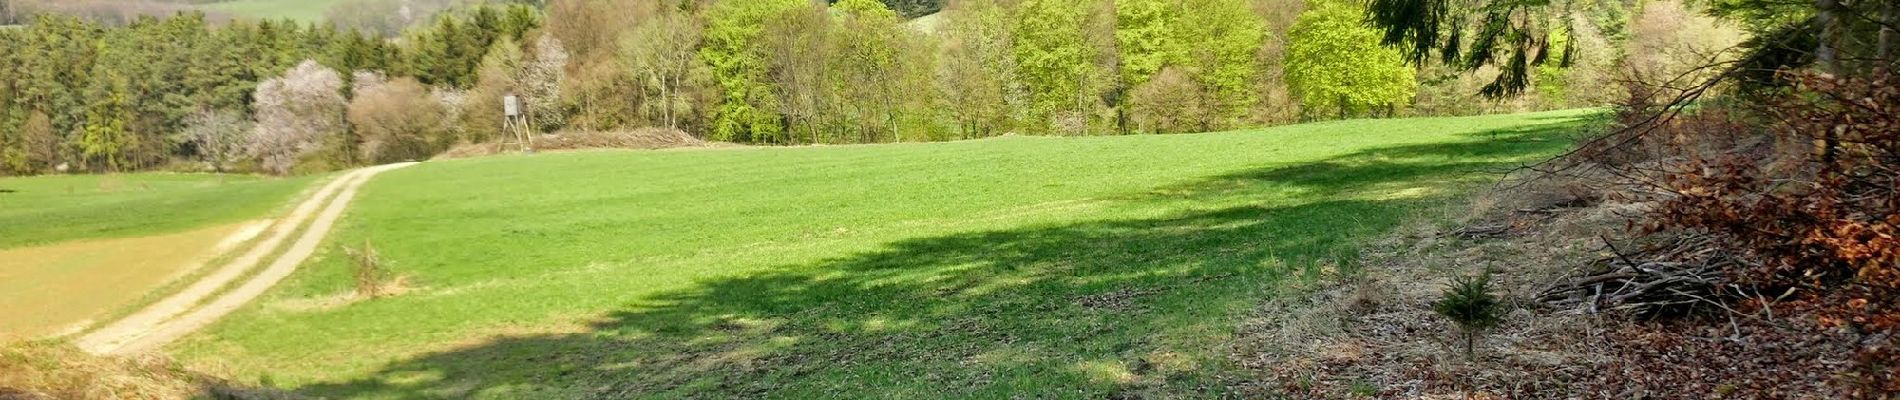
515	130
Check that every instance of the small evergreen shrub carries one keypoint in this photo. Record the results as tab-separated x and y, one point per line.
1469	303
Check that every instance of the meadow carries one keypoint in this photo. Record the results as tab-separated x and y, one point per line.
1056	267
58	208
79	247
300	10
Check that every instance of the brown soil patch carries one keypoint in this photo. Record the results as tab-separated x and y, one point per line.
638	139
51	289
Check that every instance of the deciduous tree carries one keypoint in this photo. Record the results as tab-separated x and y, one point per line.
1336	65
399	121
296	114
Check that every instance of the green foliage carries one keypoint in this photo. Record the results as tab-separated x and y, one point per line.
1510	35
1336	64
1469	303
500	76
1222	40
660	56
977	76
1150	35
1058	63
105	139
747	109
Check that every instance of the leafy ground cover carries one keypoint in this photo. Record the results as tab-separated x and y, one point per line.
1045	267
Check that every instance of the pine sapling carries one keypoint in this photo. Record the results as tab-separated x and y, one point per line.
1469	303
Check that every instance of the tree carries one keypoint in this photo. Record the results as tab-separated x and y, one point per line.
400	121
1512	36
1469	304
41	142
1170	102
219	136
296	114
105	138
499	77
1149	35
747	111
873	71
660	56
1227	39
541	80
1336	64
1059	63
976	75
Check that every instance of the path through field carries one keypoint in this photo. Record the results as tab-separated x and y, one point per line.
188	310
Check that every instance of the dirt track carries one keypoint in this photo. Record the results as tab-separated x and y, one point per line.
188	310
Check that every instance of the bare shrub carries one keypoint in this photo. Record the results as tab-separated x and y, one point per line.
1169	103
296	114
369	273
399	121
219	136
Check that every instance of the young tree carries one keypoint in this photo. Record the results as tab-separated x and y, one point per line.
219	136
800	55
400	121
1335	64
41	143
296	114
660	56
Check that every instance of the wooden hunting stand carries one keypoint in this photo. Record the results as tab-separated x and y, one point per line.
515	130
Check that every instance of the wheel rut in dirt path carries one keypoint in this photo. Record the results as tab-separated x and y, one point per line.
195	306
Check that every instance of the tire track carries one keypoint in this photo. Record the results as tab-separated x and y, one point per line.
187	311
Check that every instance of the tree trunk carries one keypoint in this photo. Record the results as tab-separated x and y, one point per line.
1886	43
1471	341
1827	56
1828	29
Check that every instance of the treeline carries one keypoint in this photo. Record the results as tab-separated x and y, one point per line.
80	95
77	95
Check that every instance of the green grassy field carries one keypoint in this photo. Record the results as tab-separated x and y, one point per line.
301	10
1036	267
51	209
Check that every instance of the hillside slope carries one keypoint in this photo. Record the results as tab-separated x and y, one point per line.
1044	267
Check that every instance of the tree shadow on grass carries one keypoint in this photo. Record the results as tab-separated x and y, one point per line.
1093	309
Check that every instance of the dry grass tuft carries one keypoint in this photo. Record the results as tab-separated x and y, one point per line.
51	370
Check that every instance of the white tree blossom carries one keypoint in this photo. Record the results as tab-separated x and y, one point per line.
541	81
295	115
219	136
